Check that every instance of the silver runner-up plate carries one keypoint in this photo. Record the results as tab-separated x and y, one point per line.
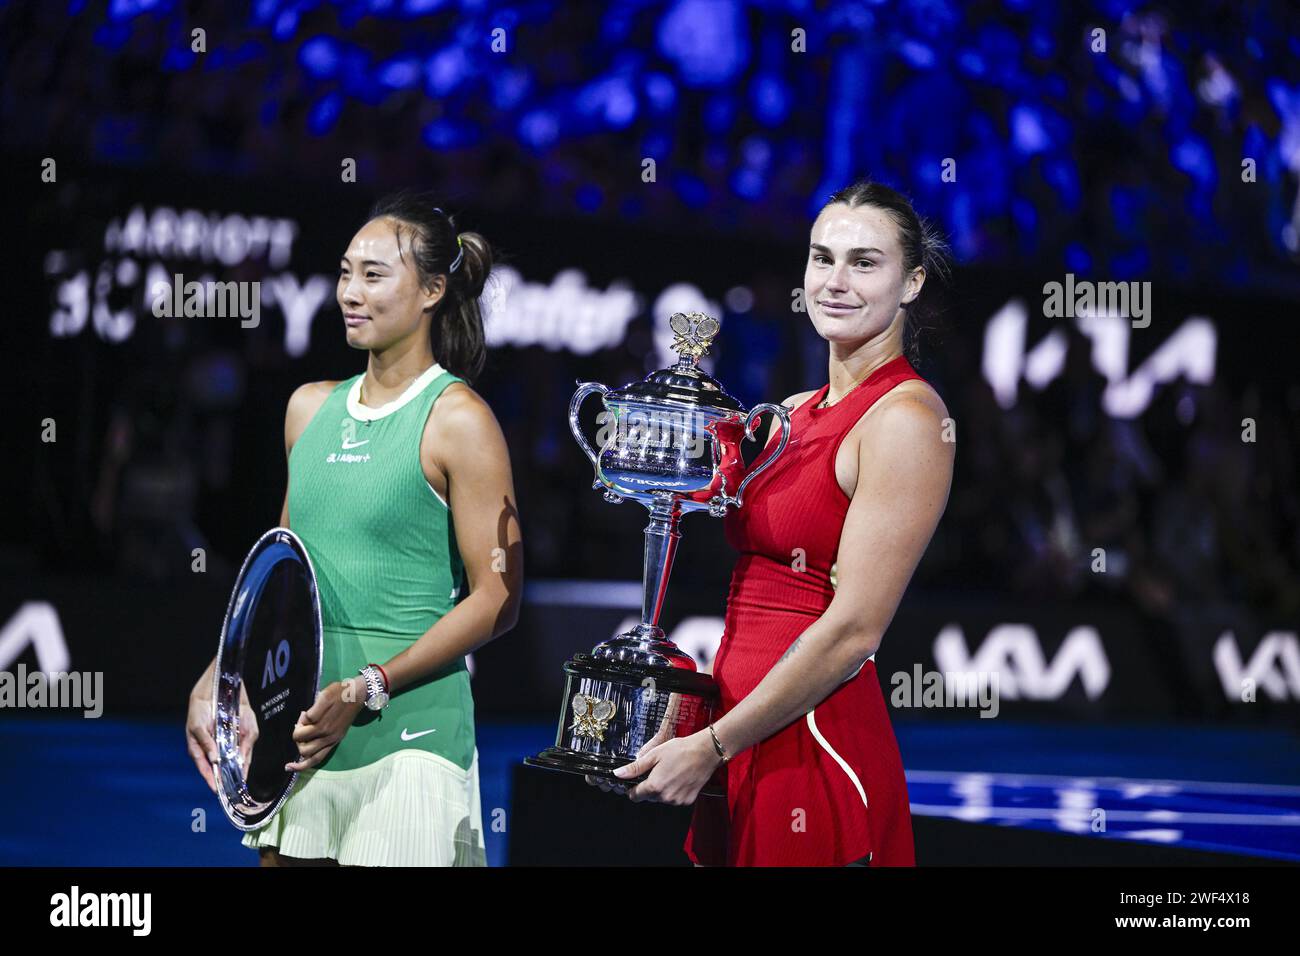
268	670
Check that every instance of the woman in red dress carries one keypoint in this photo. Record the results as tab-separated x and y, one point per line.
828	537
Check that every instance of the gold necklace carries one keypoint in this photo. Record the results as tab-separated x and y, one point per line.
827	403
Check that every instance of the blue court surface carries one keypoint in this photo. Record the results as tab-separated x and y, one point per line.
124	793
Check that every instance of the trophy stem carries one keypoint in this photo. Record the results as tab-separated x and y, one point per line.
661	536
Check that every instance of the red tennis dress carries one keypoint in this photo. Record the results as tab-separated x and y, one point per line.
828	789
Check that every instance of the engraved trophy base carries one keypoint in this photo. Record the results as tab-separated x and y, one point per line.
615	702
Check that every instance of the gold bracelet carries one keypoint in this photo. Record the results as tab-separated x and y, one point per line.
717	745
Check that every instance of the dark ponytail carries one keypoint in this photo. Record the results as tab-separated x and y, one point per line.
922	246
456	332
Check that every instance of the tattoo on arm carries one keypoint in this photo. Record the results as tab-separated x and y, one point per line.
791	649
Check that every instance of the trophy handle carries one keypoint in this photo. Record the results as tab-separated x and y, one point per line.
783	414
585	389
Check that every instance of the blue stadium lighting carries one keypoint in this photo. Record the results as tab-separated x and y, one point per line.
112	35
691	189
1026	218
1077	259
661	92
756	152
399	74
419	8
616	27
1117	9
324	114
770	98
961	216
706	39
608	101
222	58
358	79
320	56
538	129
509	88
445	70
719	114
1132	264
1042	44
991	89
747	183
916	54
449	134
129	9
971	62
1062	176
179	58
286	24
1123	209
657	143
1192	155
352	13
1027	132
850	79
1000	50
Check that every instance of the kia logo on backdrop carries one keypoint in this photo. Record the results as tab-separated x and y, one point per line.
1014	652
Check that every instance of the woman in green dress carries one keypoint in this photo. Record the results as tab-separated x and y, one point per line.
400	488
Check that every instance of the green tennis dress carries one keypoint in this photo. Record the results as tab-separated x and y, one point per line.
401	788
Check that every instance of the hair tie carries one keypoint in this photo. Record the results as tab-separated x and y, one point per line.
460	254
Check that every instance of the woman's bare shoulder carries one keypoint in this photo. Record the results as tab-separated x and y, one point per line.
460	408
463	437
793	402
304	403
915	390
461	417
911	407
310	396
911	411
798	398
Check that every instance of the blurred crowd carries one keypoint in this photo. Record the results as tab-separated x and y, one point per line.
1109	135
1196	501
1117	154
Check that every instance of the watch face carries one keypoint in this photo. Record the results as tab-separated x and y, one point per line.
378	701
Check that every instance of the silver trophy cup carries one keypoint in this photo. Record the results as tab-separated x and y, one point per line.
671	441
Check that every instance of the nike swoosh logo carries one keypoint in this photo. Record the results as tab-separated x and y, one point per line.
356	444
407	735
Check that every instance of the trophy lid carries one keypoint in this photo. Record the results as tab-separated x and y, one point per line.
684	383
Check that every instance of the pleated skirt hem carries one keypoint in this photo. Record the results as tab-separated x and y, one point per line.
410	808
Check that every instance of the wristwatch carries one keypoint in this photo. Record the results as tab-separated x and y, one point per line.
376	686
